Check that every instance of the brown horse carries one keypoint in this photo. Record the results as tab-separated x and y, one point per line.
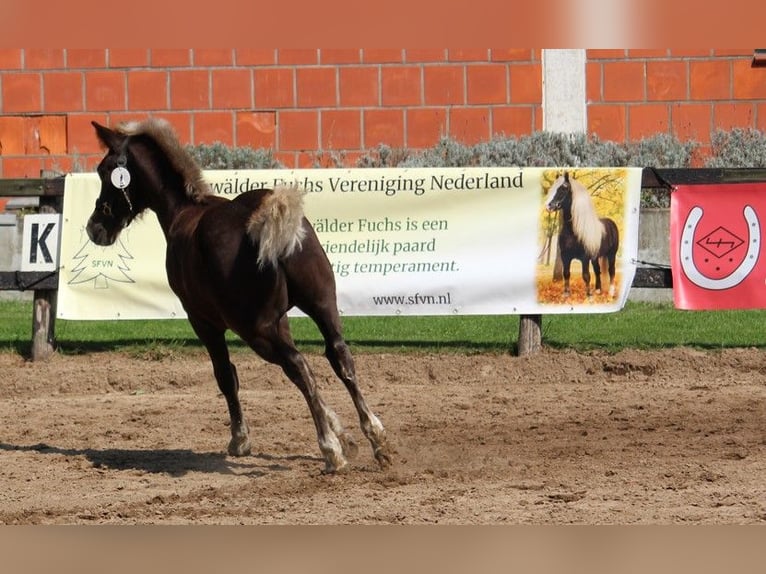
236	264
584	235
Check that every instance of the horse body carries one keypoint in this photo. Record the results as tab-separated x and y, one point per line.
236	264
583	236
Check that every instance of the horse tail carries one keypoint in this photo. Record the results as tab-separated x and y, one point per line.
277	225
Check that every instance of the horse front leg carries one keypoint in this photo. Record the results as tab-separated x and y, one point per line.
228	382
566	271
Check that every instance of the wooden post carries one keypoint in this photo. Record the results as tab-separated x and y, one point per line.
44	311
530	334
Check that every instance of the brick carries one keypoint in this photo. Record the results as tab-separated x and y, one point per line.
760	116
257	129
63	91
607	121
12	135
601	54
255	57
690	53
358	86
19	167
383	126
444	85
128	57
341	129
211	127
81	137
50	134
425	55
170	57
401	85
594	90
147	90
749	83
469	125
105	91
511	55
296	56
298	130
213	57
624	82
274	87
43	58
316	87
10	59
85	58
383	56
710	80
468	55
729	115
646	120
189	89
692	121
647	54
666	80
487	84
743	52
232	88
425	126
181	123
340	56
513	121
526	82
287	159
21	92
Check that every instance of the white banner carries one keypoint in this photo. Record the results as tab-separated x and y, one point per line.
401	241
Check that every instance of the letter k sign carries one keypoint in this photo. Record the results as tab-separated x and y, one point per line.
40	243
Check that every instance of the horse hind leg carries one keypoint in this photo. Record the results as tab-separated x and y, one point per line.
278	347
339	356
612	275
597	274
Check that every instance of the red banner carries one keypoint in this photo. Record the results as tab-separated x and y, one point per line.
715	246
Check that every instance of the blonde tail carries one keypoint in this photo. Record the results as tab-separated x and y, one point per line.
277	225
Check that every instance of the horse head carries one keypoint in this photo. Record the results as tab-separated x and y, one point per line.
560	193
117	204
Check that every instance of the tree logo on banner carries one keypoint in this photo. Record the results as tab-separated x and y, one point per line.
101	264
719	243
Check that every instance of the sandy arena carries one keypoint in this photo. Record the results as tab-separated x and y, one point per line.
662	437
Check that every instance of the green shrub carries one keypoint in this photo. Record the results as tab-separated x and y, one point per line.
220	156
740	147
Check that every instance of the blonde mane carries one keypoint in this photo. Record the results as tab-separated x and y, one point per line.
585	221
161	132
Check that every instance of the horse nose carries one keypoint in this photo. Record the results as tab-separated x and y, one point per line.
98	233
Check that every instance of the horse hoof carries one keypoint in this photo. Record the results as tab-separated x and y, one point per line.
338	467
348	445
239	447
383	457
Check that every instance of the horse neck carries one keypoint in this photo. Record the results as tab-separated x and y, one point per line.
164	193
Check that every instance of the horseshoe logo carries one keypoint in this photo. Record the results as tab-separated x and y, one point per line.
740	273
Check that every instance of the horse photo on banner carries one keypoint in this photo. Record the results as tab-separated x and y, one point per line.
715	246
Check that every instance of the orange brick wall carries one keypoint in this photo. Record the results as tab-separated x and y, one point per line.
304	103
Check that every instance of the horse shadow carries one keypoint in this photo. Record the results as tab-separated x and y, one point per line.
173	462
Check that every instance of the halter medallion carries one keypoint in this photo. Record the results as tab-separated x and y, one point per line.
120	177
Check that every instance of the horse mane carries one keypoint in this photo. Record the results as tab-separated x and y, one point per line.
585	221
161	132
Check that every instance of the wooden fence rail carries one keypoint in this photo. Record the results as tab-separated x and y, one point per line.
51	194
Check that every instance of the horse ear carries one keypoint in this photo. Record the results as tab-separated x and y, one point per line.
566	176
109	138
